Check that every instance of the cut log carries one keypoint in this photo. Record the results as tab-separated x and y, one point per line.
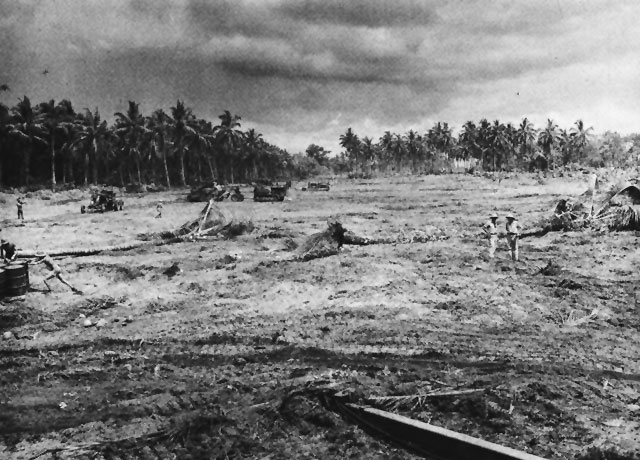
428	440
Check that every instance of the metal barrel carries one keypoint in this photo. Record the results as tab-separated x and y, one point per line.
3	281
17	279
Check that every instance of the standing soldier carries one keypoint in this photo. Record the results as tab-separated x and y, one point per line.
491	229
513	233
159	210
19	203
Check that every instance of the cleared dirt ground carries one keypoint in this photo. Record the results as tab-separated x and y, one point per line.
210	353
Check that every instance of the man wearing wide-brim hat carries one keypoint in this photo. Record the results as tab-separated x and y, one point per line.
513	234
491	230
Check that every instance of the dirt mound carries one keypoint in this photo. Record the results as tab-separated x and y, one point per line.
551	269
18	315
323	244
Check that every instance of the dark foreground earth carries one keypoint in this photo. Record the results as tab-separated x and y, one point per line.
196	362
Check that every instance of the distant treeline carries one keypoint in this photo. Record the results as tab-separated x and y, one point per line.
488	145
51	143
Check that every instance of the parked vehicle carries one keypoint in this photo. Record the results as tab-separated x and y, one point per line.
277	192
317	187
103	200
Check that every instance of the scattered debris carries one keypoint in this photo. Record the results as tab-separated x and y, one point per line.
615	210
574	320
551	269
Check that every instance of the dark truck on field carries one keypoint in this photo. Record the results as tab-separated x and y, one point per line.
263	192
317	187
101	201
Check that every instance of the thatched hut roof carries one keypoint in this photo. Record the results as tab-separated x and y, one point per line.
616	209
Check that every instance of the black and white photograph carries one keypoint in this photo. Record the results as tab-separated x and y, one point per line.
319	229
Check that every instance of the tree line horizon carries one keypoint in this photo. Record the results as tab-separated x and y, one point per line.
51	144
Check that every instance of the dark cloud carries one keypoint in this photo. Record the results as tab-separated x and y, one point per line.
232	17
365	13
315	66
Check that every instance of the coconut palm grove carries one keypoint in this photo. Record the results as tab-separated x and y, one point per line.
54	144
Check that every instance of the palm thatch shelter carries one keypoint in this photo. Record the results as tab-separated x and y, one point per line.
618	208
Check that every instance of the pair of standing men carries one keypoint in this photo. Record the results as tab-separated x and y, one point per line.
513	233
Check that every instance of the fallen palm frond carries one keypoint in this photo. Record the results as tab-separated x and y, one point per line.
616	209
574	320
416	401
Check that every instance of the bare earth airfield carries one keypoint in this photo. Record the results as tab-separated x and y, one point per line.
219	357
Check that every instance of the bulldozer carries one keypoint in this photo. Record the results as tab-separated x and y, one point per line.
101	201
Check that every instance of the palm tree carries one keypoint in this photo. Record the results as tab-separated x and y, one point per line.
350	142
93	132
467	140
368	151
131	125
386	148
5	120
228	137
57	121
158	129
500	142
524	138
547	138
565	146
200	145
182	128
254	144
413	143
27	125
580	137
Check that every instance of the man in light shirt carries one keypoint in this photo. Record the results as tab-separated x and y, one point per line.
491	229
513	233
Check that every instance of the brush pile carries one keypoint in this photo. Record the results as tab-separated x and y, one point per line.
323	244
211	222
617	209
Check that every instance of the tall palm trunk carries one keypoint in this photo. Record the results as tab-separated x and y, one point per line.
166	169
183	181
213	177
53	163
95	162
137	162
27	161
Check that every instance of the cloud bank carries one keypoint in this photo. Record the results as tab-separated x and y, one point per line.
302	71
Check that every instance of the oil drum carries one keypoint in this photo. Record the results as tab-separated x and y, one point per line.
3	281
17	279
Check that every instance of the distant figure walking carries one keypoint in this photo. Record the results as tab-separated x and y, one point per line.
513	234
159	210
7	251
491	230
56	271
19	204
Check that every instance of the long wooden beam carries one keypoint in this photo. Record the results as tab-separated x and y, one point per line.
428	440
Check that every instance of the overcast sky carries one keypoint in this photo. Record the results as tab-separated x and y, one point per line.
303	71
